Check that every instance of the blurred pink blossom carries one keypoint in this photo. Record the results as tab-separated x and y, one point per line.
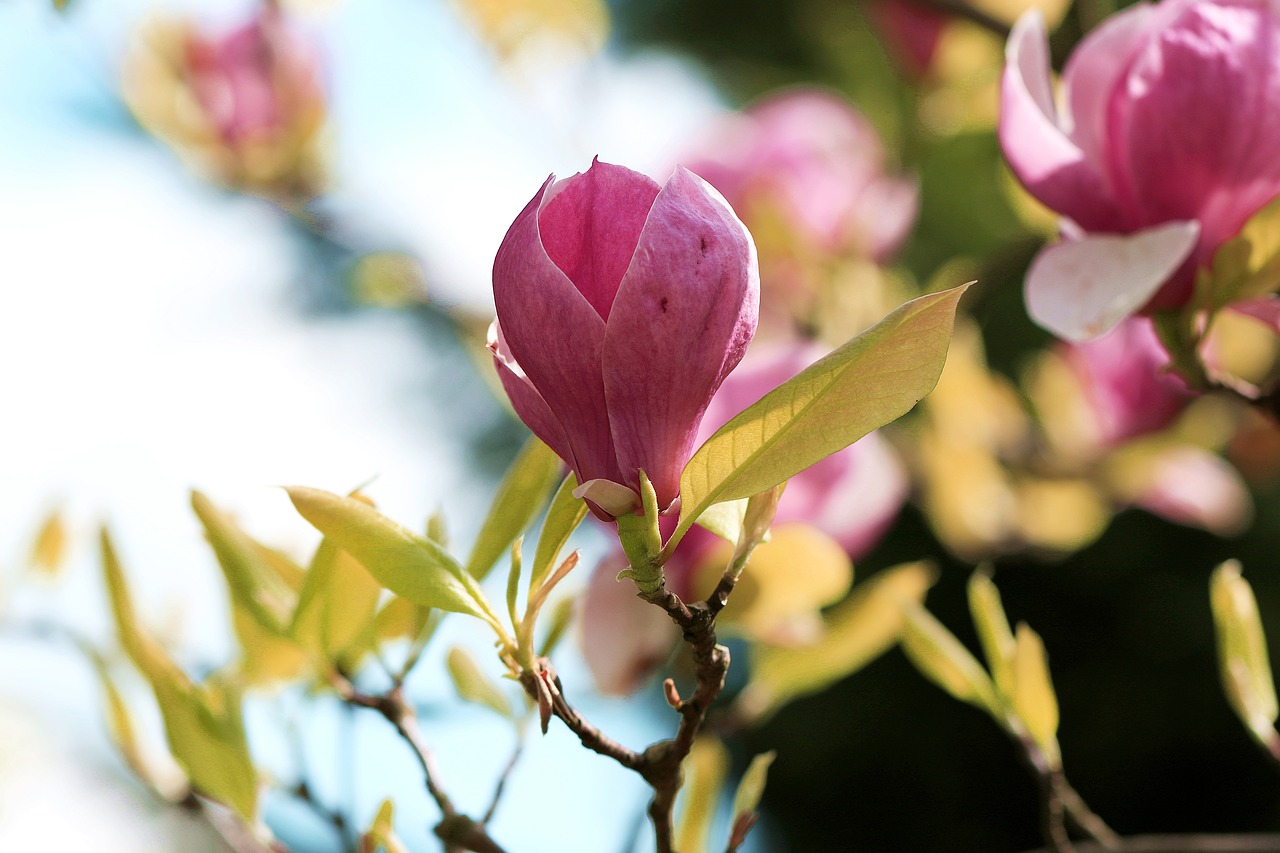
810	156
1124	375
254	81
622	305
1164	144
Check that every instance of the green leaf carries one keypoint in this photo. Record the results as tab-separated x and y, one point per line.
253	581
563	517
49	550
858	630
337	603
202	722
751	788
520	496
993	630
1033	698
1243	662
561	615
724	519
381	834
411	567
1246	266
942	659
870	381
473	685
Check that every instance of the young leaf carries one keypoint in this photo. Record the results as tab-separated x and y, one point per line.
1242	651
520	496
253	582
858	630
473	685
202	722
561	615
49	550
381	835
1033	698
337	602
724	519
747	799
563	517
413	568
705	768
993	630
870	381
945	661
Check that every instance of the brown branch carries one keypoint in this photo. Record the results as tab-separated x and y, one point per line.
506	774
456	830
544	687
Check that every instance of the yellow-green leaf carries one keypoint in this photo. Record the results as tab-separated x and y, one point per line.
202	722
473	685
1242	651
381	834
337	603
945	661
858	630
521	495
253	581
49	550
1033	698
411	567
871	380
725	519
751	789
993	629
563	517
705	771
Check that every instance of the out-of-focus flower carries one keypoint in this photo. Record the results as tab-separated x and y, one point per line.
829	513
1125	377
809	157
246	106
1160	153
807	173
622	306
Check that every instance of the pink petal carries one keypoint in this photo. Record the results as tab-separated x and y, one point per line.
1081	288
590	224
1192	487
526	400
1264	308
682	319
1049	164
1196	128
1091	75
557	337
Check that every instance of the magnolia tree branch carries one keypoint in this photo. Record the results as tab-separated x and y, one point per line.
1183	844
456	830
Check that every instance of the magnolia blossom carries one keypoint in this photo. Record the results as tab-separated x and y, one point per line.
1124	376
808	156
852	497
246	104
622	306
1162	145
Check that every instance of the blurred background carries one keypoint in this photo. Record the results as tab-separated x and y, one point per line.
247	245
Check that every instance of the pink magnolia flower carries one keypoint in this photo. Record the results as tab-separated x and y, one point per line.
622	306
813	157
1164	144
910	30
1124	375
254	82
852	496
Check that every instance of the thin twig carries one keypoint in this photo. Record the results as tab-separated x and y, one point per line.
1184	844
456	830
498	790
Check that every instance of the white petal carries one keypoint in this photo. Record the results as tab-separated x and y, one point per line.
1083	288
